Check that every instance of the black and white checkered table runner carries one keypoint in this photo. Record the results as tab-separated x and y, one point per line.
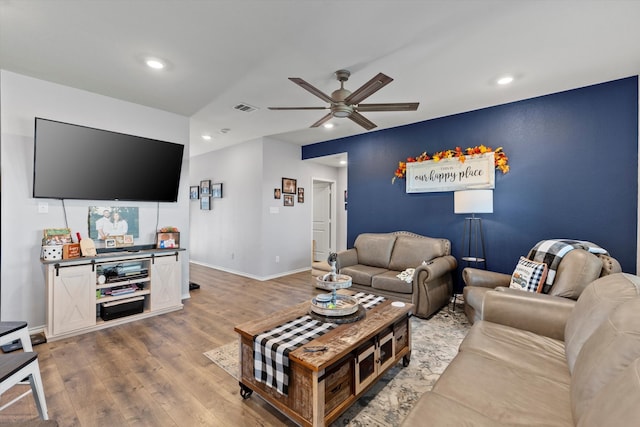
271	349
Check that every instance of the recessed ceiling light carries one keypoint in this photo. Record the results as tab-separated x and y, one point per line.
343	162
328	125
155	63
206	137
505	80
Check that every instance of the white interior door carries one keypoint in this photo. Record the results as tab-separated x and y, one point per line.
322	219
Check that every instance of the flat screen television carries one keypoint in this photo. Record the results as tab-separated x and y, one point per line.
78	162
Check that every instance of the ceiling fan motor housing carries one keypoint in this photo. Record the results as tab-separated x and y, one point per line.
338	107
341	110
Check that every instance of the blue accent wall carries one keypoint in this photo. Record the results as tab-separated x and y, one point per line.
574	173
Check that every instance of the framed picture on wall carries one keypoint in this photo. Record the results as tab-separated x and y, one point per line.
205	203
300	195
205	187
288	199
276	193
194	192
289	185
216	191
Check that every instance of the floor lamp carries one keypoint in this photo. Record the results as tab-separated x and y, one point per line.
473	202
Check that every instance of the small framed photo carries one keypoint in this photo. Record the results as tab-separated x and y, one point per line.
194	192
276	193
205	188
205	203
110	243
289	185
300	195
168	240
288	199
216	190
128	239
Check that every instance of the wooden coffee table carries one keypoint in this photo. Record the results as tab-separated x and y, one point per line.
322	385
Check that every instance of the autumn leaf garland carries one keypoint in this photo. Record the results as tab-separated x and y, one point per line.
500	158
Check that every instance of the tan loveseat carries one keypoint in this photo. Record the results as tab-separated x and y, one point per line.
545	361
377	258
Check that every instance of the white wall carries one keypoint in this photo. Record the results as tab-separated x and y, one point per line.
22	98
247	229
228	235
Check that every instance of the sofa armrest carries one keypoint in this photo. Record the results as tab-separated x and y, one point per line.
486	279
433	269
538	313
347	258
432	285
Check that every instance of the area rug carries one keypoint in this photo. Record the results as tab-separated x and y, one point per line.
434	343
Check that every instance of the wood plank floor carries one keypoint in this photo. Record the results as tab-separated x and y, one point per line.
152	372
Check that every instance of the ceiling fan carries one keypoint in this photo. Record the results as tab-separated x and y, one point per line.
344	103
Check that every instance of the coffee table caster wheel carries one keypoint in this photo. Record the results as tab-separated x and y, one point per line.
245	391
405	360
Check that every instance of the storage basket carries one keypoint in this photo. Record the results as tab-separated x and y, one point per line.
52	252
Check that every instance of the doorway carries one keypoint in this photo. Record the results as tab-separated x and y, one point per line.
324	233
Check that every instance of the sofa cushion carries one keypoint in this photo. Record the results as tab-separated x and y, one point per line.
389	281
617	403
577	269
528	275
593	307
613	346
374	249
505	392
520	348
410	252
433	409
362	274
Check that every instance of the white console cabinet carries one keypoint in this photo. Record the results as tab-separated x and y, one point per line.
91	293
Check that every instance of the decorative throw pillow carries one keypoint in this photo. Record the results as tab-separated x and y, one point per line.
529	275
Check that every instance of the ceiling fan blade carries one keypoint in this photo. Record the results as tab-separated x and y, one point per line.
317	92
297	108
397	106
362	121
368	89
322	120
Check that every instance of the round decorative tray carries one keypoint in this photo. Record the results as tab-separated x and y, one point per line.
350	318
339	281
345	305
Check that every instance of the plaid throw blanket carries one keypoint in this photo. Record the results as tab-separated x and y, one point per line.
551	252
271	349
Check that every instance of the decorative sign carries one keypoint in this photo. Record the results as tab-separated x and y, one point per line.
451	174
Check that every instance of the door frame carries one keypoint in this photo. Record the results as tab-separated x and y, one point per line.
333	212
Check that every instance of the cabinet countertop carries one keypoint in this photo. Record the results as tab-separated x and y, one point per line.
115	255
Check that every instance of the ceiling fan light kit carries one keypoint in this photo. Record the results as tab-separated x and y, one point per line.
344	103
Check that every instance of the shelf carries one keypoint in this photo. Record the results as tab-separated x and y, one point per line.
472	259
123	296
122	283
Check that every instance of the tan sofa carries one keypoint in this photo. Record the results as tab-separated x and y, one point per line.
577	269
545	361
377	258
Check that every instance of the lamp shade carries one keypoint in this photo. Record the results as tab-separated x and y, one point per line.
473	201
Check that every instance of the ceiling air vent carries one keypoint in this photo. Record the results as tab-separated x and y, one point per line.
245	107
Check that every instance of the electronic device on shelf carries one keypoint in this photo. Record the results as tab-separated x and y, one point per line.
124	272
